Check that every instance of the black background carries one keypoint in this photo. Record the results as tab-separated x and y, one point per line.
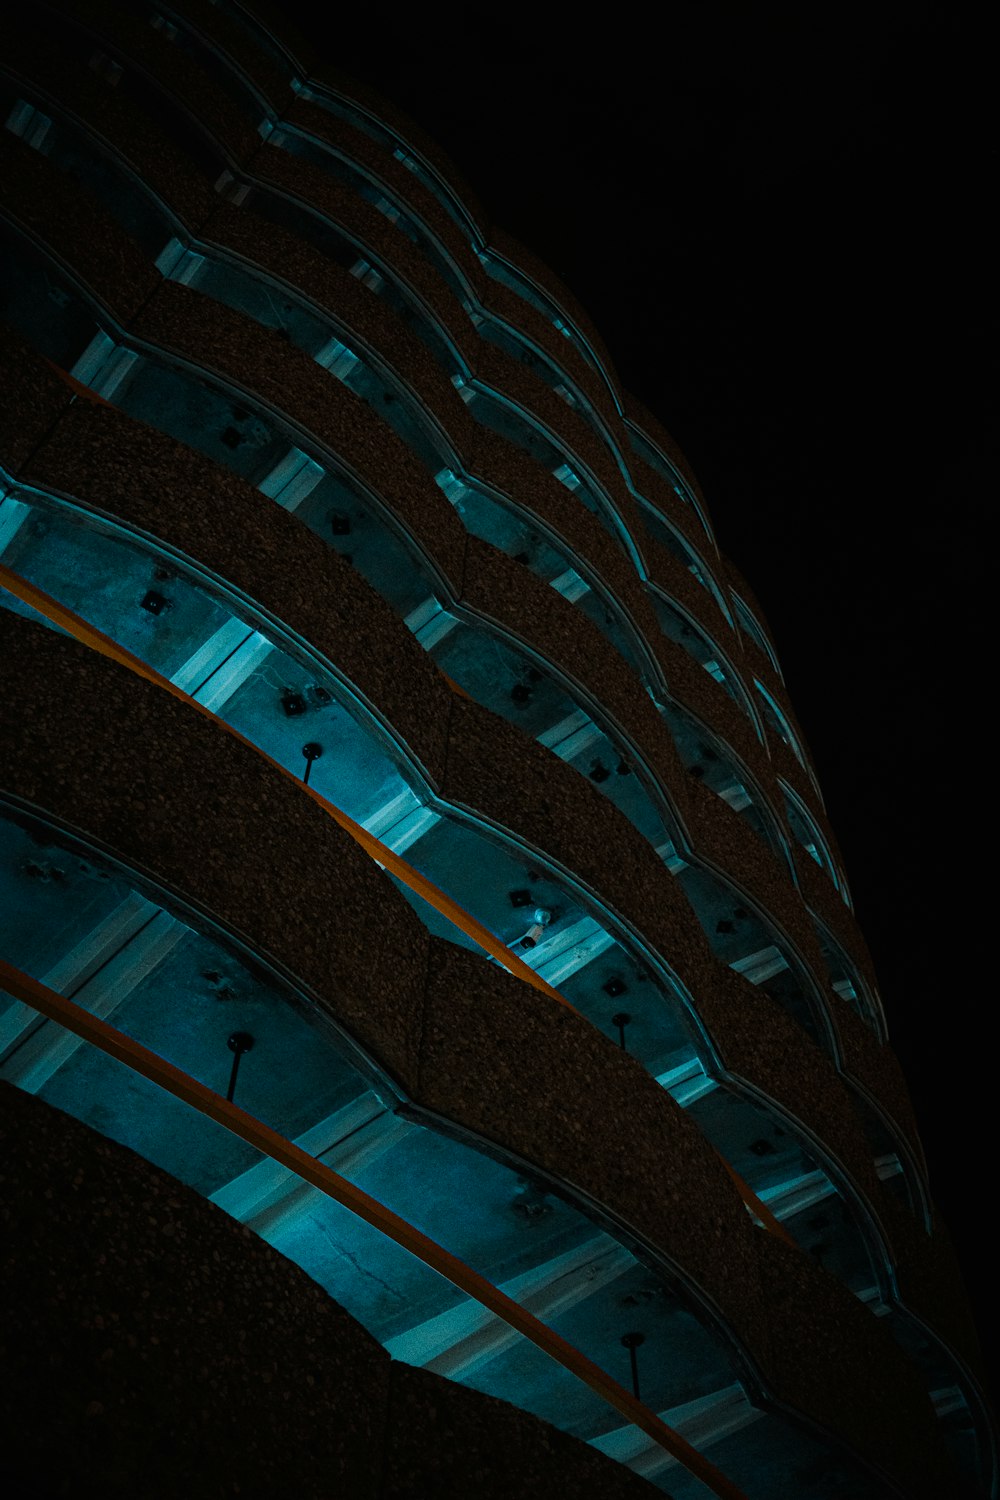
777	220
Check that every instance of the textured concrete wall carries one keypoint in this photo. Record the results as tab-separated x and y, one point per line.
153	1346
461	1039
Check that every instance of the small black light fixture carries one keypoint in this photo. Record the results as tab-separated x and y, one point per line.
633	1341
621	1020
312	752
239	1043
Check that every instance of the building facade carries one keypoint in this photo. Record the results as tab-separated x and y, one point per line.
395	777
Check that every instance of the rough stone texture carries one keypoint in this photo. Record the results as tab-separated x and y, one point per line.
274	20
730	846
641	417
169	792
404	184
787	765
673	578
259	360
756	664
563	352
863	1387
380	237
152	482
697	690
452	1444
169	69
930	1282
876	1068
353	305
31	397
768	800
153	1346
239	1376
96	416
503	466
759	1042
570	428
654	488
561	295
769	679
76	226
220	31
236	222
491	1048
740	586
506	467
507	592
353	92
561	813
822	897
32	51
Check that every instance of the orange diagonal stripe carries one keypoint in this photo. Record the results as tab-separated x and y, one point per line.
89	635
170	1078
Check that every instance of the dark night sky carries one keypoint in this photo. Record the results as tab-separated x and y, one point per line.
777	221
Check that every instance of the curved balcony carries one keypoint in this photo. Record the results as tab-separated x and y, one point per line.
806	833
533	279
345	142
659	448
423	778
177	165
848	958
367	319
403	1160
703	695
663	474
263	305
354	135
349	771
149	53
530	336
350	1409
705	902
167	319
237	666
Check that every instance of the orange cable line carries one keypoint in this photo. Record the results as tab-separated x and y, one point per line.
96	640
182	1086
